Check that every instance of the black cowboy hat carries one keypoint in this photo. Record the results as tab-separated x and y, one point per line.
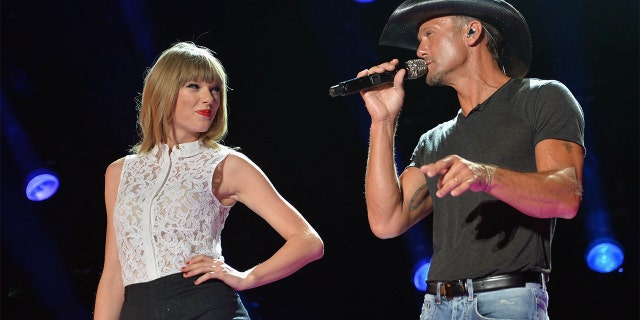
402	28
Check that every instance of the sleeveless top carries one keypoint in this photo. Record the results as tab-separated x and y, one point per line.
165	211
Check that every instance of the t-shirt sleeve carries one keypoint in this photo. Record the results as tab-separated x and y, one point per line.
417	159
558	114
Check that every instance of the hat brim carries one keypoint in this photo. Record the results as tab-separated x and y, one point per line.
402	27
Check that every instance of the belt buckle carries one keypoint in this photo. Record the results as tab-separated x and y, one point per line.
453	289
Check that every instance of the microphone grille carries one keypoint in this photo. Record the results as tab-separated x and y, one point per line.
416	68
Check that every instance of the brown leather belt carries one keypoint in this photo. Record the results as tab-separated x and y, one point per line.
457	288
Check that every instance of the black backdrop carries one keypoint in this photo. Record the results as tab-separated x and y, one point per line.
71	71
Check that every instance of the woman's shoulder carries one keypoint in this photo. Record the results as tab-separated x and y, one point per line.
237	160
235	153
116	165
114	170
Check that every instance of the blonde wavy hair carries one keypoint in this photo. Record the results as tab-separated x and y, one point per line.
182	62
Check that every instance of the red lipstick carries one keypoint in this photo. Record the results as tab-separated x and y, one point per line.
205	112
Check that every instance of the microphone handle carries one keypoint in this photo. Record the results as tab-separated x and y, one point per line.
357	84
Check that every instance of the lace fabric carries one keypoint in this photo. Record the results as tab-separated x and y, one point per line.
165	211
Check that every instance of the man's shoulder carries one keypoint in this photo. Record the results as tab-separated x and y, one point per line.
537	82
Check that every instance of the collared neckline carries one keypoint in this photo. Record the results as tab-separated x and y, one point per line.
182	150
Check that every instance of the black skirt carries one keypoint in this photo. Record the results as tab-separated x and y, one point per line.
176	297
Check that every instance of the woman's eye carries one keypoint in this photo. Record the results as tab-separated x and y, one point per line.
193	85
216	89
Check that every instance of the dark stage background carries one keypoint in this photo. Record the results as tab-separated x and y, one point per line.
71	70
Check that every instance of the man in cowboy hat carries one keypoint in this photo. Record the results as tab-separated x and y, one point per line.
495	177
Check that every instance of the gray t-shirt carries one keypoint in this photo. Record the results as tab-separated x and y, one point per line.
475	235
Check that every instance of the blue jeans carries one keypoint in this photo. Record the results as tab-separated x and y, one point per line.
526	303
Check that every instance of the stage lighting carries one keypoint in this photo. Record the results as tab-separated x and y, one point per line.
420	272
364	1
604	256
41	184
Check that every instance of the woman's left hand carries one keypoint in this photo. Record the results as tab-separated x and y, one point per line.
209	268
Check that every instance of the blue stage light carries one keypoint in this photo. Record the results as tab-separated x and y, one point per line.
41	185
604	256
421	270
364	1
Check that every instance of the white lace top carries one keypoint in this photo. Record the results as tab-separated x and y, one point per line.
165	211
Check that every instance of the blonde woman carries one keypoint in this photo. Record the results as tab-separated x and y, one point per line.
167	203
